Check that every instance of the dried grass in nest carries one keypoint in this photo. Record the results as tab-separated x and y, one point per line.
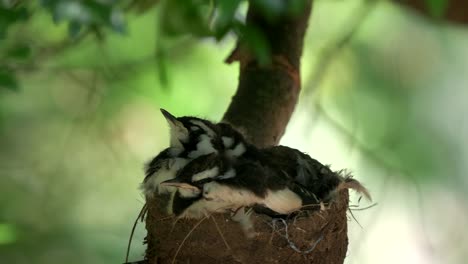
297	237
221	240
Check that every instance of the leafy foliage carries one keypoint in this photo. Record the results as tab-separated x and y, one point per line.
8	80
437	8
88	13
9	15
7	234
215	19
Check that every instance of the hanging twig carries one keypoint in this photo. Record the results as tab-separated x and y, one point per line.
142	212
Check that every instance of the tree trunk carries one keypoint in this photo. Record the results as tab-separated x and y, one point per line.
261	109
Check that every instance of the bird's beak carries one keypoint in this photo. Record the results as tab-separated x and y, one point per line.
178	184
169	117
179	133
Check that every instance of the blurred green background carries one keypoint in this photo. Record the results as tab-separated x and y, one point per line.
81	84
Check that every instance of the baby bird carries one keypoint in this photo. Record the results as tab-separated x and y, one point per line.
214	169
190	138
308	178
305	171
188	201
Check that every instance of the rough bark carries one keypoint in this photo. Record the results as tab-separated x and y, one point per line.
266	95
261	109
457	10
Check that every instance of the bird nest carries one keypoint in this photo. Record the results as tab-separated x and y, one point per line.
309	237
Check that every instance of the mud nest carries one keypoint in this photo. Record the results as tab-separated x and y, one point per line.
310	237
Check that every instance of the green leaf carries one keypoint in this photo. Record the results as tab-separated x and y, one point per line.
3	30
179	17
10	16
88	13
225	11
274	9
74	29
296	7
117	21
8	80
20	51
73	11
271	9
437	8
101	13
13	14
257	43
7	234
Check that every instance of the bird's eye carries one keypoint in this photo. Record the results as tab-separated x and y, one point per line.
194	128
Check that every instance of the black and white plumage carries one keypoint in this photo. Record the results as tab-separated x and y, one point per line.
319	179
188	201
237	183
254	184
211	168
190	137
194	135
198	143
161	168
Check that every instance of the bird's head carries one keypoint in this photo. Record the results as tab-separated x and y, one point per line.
195	135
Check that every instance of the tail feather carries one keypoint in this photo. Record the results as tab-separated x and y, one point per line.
350	183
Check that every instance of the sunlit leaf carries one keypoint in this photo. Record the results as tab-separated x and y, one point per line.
7	234
437	8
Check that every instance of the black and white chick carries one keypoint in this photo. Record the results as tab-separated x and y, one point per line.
279	178
312	181
276	181
190	137
190	202
215	184
271	191
318	178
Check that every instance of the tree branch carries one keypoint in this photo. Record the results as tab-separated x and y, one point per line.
266	95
